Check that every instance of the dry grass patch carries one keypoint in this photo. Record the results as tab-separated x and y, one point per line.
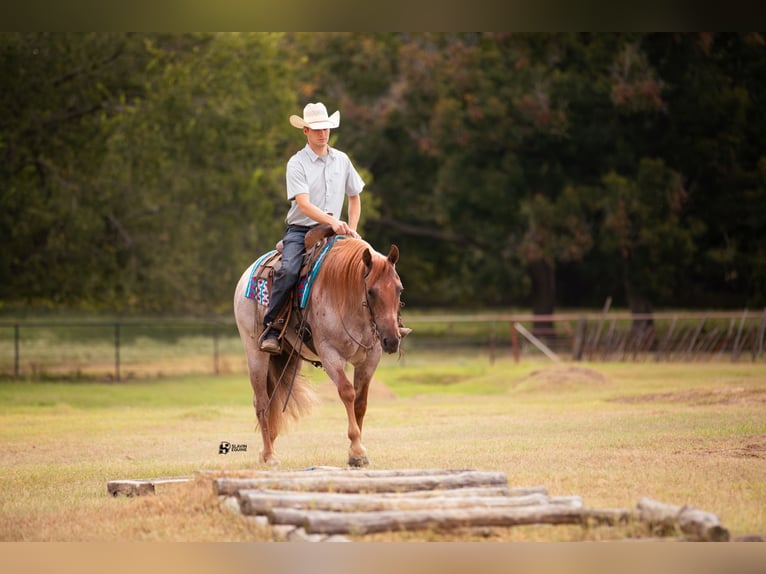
576	429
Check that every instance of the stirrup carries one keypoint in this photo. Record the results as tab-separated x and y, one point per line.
271	345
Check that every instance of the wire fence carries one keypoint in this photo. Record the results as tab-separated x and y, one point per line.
116	350
124	350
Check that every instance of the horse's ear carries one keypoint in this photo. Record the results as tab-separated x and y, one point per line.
393	254
367	259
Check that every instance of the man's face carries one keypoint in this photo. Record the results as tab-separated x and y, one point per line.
317	138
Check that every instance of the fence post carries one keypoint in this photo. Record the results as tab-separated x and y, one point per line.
515	344
16	351
117	352
215	349
579	342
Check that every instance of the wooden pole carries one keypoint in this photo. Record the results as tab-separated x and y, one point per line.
695	523
319	521
263	501
364	484
537	342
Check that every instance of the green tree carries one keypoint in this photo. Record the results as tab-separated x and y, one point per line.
57	90
643	230
142	172
194	172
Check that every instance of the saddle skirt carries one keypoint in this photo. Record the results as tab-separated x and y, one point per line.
262	272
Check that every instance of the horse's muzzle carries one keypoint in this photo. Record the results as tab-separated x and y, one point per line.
390	344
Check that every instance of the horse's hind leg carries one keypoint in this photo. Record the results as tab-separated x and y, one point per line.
258	367
249	318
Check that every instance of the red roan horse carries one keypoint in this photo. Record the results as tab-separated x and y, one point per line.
353	312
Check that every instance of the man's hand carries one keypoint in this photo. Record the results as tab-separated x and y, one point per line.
343	228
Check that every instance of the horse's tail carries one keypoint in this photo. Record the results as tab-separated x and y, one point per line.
288	386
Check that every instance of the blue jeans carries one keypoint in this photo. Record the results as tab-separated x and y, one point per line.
287	276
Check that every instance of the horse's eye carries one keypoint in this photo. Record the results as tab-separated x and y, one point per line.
370	292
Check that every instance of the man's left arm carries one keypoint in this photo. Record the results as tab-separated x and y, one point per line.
354	210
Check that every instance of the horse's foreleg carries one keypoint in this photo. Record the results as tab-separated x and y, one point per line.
357	454
362	378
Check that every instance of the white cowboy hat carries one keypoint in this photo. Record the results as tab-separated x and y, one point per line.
315	117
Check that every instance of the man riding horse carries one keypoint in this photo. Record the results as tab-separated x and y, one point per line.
318	179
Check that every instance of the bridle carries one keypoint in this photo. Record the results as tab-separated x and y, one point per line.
373	324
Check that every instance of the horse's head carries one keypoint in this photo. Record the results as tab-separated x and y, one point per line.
383	291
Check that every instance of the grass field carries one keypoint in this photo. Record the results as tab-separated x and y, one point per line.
609	432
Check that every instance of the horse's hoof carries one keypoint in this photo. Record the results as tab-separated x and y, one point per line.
270	461
358	461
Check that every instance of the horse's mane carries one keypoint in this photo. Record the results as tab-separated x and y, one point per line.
343	271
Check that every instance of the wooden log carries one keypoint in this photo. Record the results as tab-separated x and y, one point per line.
696	524
469	491
472	491
331	471
139	487
702	526
608	516
327	471
323	522
455	492
254	502
355	483
658	515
